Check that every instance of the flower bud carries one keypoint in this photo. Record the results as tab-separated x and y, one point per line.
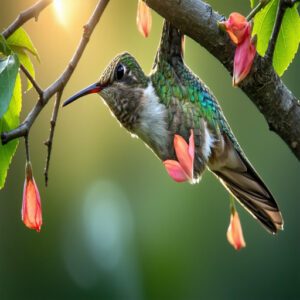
234	232
31	206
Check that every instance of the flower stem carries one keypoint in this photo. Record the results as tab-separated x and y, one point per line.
256	9
232	204
27	148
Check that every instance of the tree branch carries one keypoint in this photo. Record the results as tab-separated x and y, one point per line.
26	15
263	86
49	142
59	84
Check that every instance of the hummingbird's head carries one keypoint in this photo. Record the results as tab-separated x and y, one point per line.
121	86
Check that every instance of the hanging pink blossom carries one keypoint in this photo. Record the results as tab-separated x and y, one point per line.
183	169
143	18
31	207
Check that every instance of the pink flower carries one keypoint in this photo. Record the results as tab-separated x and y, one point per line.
31	207
143	18
236	26
243	58
234	232
183	169
239	30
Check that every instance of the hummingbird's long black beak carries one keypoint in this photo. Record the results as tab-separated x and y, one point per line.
93	88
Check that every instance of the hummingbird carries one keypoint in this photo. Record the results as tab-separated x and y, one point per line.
171	101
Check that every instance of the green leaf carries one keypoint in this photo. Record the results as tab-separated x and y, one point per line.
4	48
288	41
21	39
26	62
263	26
9	121
288	38
9	67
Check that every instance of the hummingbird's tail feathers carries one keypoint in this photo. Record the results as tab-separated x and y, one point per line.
171	46
243	182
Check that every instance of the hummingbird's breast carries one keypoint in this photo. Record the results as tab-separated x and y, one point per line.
152	125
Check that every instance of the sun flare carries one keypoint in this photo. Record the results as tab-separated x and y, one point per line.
60	10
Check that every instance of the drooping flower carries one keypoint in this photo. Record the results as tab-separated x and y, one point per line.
183	169
234	232
143	18
239	30
236	26
243	59
31	206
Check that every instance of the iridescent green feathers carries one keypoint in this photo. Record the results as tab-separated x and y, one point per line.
173	79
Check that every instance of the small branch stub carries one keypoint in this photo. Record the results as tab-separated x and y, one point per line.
33	82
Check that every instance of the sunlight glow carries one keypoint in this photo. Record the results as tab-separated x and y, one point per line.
70	12
60	10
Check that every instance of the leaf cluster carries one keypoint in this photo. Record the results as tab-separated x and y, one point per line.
13	52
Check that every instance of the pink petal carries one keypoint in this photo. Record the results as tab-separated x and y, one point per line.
175	170
235	233
236	27
143	18
183	155
243	59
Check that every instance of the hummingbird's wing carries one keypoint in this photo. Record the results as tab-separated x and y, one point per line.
171	46
179	88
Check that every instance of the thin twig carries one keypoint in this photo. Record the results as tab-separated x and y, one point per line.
49	142
63	79
24	16
257	9
33	82
282	6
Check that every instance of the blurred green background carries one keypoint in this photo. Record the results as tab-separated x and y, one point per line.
115	225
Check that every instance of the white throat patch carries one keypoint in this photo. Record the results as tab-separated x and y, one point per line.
153	126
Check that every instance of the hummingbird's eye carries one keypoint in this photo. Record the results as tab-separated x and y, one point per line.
119	73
